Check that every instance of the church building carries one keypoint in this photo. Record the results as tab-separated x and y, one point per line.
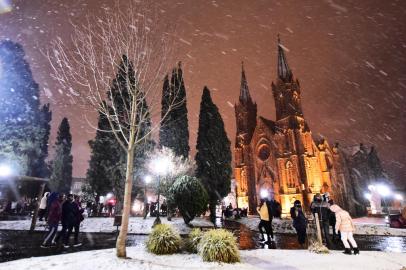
280	156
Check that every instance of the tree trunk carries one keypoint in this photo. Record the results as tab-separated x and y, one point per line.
120	244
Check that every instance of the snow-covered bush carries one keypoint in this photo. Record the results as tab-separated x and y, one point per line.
193	240
189	195
219	246
163	240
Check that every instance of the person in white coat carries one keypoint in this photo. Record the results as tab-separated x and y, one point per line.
43	207
346	227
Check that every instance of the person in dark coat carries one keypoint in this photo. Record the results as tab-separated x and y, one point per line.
275	208
323	211
54	216
70	213
79	219
299	222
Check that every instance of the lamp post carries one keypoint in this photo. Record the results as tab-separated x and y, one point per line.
160	166
147	180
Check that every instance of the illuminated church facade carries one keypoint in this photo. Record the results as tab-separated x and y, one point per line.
281	156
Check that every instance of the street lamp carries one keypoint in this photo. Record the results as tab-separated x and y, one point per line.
5	170
160	166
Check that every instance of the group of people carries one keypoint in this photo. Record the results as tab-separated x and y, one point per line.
151	208
329	214
57	208
229	211
21	207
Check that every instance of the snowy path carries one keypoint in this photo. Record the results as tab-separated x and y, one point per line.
137	225
253	259
364	226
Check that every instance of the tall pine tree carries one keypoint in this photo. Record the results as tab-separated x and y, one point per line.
213	156
42	169
174	131
102	159
125	79
21	131
61	177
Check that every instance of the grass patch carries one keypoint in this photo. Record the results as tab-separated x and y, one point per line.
163	240
219	246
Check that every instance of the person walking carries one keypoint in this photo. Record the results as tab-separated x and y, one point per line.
69	216
78	220
43	207
299	222
346	227
54	216
265	224
322	209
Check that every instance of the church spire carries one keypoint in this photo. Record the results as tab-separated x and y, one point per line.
284	72
244	91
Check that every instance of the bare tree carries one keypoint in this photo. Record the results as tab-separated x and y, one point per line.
85	64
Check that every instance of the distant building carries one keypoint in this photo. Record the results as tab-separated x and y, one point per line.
77	184
283	158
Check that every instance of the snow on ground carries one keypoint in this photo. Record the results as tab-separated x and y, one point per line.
364	226
137	225
252	259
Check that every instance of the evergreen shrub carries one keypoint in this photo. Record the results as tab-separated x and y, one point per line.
189	196
219	246
163	240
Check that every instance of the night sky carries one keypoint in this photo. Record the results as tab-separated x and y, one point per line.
349	56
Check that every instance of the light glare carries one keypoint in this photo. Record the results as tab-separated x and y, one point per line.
383	190
398	197
264	193
5	171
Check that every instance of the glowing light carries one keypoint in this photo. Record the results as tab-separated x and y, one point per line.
5	6
148	179
137	206
383	190
398	197
161	165
109	195
264	193
5	171
368	196
371	187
